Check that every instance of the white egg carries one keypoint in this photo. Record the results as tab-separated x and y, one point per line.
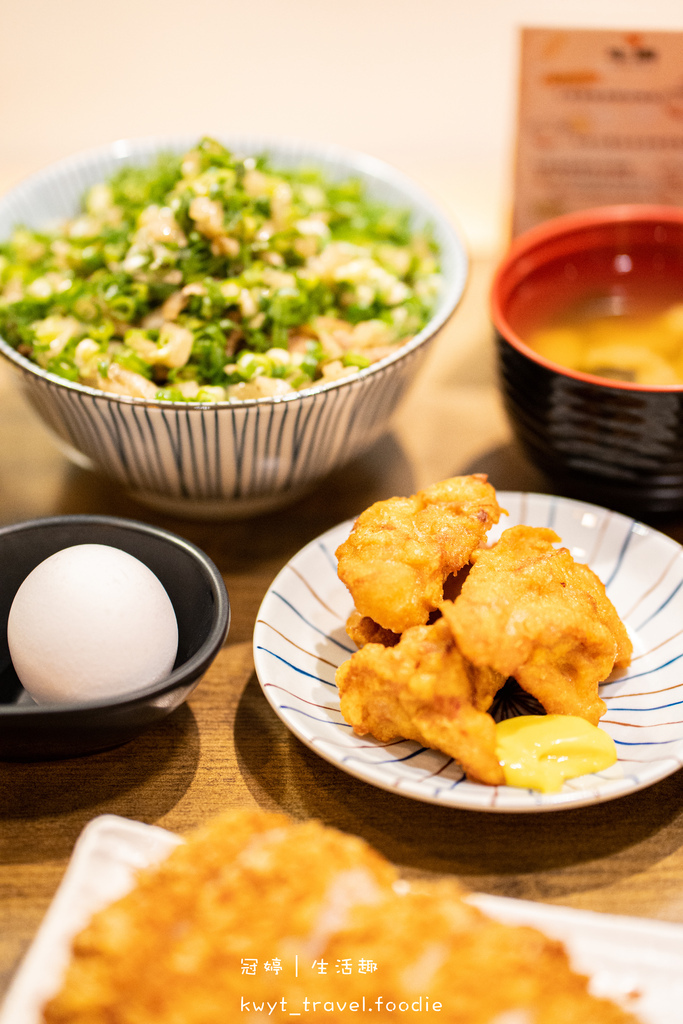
91	622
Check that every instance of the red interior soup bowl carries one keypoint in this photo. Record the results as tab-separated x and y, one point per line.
588	311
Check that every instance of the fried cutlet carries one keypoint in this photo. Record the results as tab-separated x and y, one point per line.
528	610
423	689
249	887
401	551
257	918
428	940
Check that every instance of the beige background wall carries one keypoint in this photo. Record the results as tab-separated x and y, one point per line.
428	85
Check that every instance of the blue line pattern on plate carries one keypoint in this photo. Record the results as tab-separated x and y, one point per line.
295	668
620	558
658	707
658	668
311	625
329	556
646	743
307	606
662	606
395	760
314	718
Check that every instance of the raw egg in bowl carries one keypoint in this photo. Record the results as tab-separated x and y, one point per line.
588	311
82	593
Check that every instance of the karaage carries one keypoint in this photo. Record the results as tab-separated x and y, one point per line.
423	689
364	630
401	551
528	610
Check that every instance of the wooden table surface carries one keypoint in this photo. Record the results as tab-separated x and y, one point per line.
226	749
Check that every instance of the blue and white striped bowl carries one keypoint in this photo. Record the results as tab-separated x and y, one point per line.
230	458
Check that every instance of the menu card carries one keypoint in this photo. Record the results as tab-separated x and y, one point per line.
600	121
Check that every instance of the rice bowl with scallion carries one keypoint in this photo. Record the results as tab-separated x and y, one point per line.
206	277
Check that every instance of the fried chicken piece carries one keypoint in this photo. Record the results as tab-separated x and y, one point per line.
530	611
424	690
364	630
401	550
254	888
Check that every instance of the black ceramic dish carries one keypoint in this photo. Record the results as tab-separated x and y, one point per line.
615	443
32	732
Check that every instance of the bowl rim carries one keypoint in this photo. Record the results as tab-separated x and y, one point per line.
567	224
128	150
186	673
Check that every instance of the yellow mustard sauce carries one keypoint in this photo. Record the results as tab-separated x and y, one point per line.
541	751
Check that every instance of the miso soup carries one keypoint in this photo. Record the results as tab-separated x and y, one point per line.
645	348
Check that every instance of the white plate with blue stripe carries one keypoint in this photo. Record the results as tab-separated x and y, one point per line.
300	640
